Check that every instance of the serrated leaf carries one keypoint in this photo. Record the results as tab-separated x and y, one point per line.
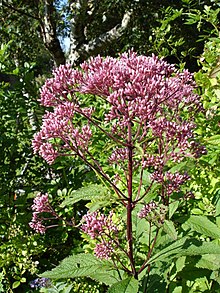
155	283
203	225
108	278
88	193
146	179
141	229
150	196
191	273
63	287
59	287
68	289
209	261
49	290
217	219
184	247
201	248
84	265
129	285
169	228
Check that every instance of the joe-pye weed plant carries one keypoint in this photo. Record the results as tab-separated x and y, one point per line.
139	141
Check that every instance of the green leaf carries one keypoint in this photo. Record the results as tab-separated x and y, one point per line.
180	263
201	248
146	179
59	287
215	276
184	247
94	206
141	229
178	167
214	140
108	277
129	285
209	261
49	290
172	208
62	193
169	228
66	289
88	193
217	213
196	211
84	265
203	225
171	250
177	289
16	284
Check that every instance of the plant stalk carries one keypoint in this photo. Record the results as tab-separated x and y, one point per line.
130	203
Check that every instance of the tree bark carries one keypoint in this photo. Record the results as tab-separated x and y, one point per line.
80	47
84	13
49	34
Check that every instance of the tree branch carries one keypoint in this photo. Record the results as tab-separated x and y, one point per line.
79	52
49	34
78	21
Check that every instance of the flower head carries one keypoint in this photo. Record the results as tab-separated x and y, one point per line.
37	224
58	125
147	209
104	249
40	205
97	224
141	90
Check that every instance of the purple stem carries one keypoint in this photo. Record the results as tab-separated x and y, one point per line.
130	203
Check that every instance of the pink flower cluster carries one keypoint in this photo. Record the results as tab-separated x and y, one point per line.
171	130
100	227
97	224
153	160
174	181
104	249
56	89
140	90
171	181
118	155
147	209
58	125
175	136
41	205
37	224
137	87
